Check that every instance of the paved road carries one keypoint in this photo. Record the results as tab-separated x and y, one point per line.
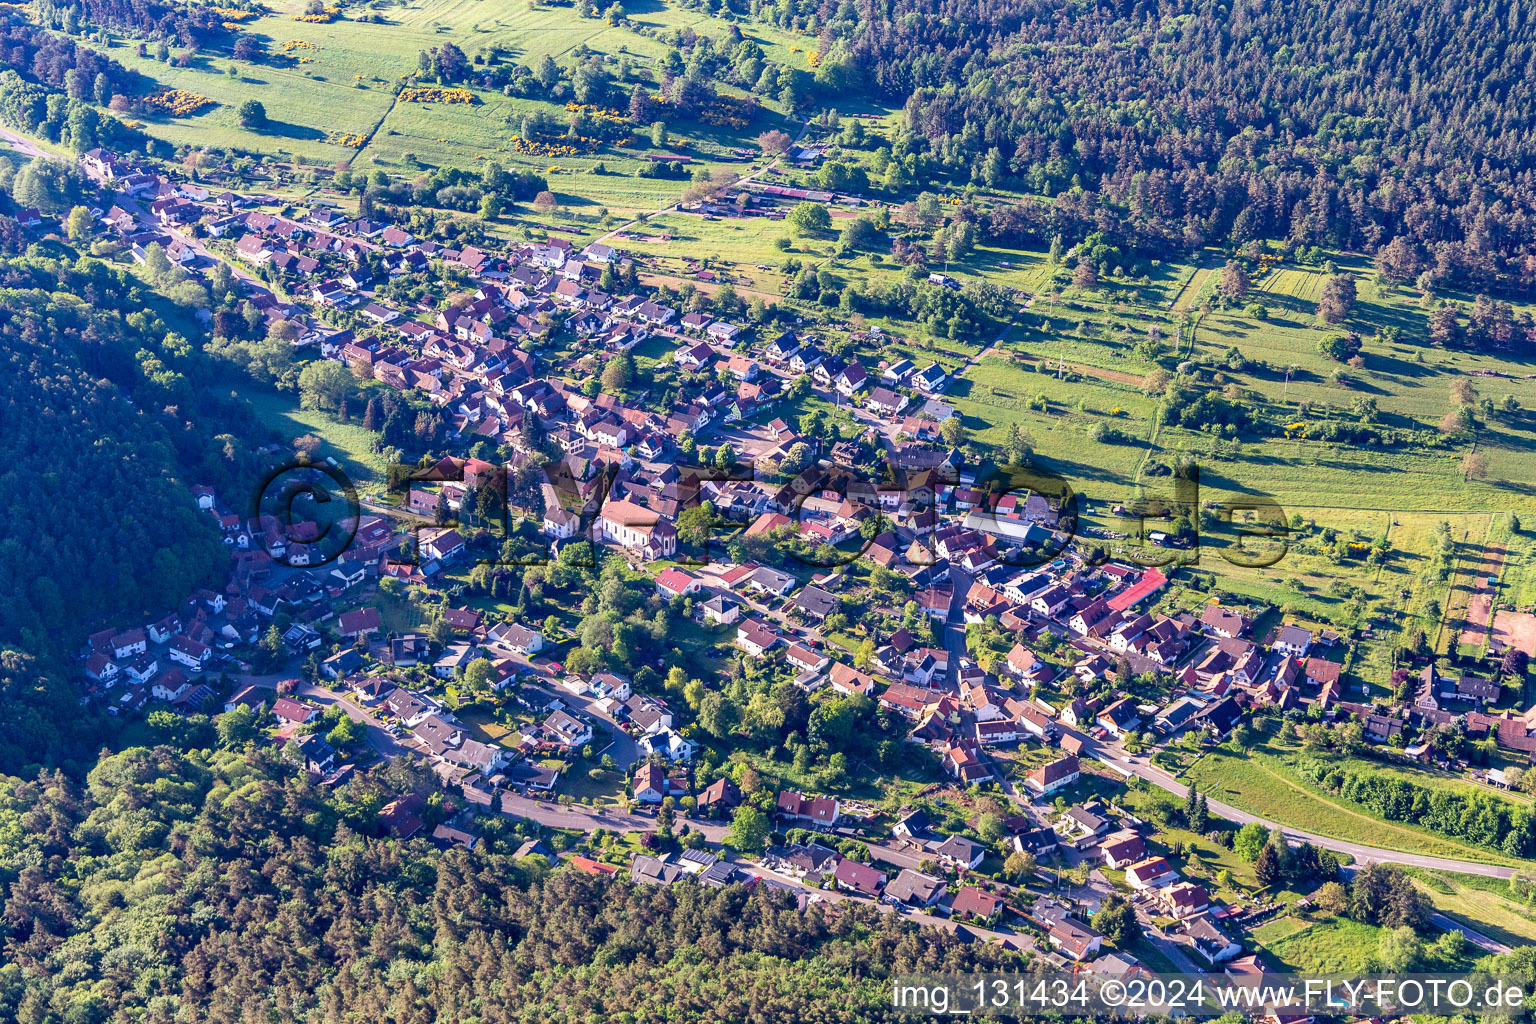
588	819
1117	759
204	253
623	748
954	624
1017	939
1477	939
378	738
23	145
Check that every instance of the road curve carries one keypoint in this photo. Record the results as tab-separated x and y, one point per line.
22	144
1362	854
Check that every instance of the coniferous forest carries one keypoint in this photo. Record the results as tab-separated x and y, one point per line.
220	887
1174	125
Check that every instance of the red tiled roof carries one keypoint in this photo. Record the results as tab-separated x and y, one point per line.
1151	581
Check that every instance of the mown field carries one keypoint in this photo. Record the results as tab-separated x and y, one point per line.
1259	782
348	443
328	82
1488	905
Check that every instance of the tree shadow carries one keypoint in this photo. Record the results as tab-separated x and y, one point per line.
288	130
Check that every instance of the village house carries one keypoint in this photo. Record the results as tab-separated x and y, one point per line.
1056	775
821	811
914	889
1150	873
1074	940
860	879
755	637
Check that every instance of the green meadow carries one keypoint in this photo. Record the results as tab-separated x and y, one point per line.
330	84
1260	782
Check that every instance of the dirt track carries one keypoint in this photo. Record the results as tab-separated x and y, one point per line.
1480	607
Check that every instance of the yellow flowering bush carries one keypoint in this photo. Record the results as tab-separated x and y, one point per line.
563	145
436	95
177	102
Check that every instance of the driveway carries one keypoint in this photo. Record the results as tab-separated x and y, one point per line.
378	738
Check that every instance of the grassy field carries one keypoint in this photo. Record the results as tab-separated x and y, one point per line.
348	443
1330	947
1259	782
995	393
329	91
1486	904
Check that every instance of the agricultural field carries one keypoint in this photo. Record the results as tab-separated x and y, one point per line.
330	92
1075	362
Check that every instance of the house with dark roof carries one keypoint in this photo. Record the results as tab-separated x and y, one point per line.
1293	640
912	825
653	870
885	402
1218	719
1470	689
1120	717
721	609
802	859
914	889
959	852
1213	944
816	604
1177	716
1039	841
315	754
